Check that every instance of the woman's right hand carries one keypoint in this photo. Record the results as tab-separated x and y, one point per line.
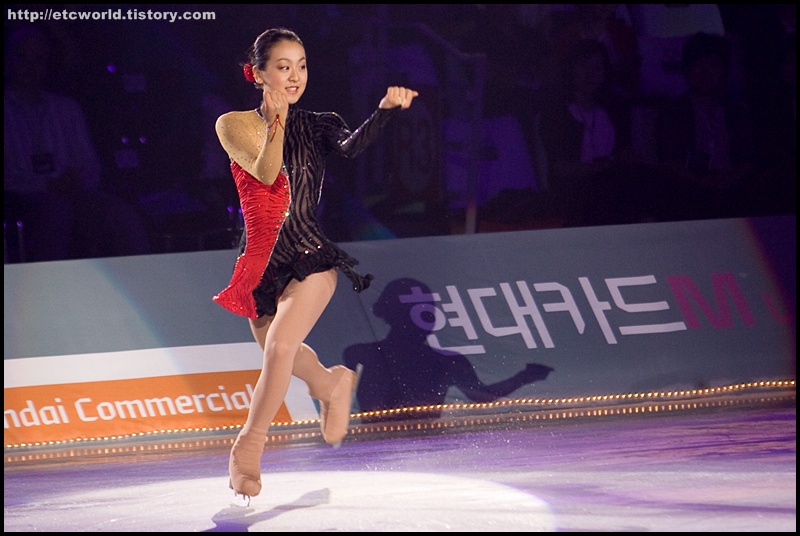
274	103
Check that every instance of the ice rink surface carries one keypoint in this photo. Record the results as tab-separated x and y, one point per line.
715	465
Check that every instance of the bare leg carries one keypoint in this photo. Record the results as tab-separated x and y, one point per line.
320	380
299	308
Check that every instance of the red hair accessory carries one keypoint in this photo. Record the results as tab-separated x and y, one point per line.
248	72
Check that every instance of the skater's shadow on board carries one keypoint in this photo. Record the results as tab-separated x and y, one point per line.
409	369
239	519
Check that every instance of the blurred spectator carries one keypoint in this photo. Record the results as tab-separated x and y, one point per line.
591	167
513	41
662	30
764	37
776	140
611	25
52	176
705	137
758	34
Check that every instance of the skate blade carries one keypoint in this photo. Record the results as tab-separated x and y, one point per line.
240	500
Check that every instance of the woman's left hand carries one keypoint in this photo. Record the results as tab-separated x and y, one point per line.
397	96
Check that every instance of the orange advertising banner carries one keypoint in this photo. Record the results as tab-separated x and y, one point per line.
120	408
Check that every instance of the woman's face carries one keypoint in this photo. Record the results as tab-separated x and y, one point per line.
286	70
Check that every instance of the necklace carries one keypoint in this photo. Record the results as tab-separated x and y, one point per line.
261	132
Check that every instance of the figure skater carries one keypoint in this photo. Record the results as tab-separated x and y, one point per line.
286	270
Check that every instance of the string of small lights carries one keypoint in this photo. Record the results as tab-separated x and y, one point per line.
416	420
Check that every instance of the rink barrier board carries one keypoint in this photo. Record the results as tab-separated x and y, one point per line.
131	345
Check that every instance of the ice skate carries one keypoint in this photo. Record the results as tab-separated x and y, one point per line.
334	415
244	466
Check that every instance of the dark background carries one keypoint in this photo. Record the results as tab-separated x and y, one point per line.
152	90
